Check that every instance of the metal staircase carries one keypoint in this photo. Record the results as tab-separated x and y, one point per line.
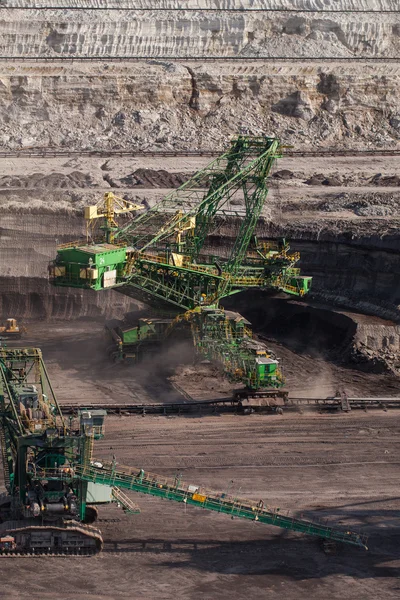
88	449
123	500
6	469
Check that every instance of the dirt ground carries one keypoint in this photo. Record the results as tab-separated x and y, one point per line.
339	467
75	353
343	188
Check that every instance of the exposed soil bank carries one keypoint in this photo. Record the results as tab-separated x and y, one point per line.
189	105
34	298
364	275
314	330
361	274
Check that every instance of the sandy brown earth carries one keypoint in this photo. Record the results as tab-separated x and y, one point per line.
333	210
342	214
76	357
341	467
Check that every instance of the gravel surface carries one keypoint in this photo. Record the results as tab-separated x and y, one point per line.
342	467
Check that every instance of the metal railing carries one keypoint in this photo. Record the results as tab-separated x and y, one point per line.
77	243
291	289
124	500
248	281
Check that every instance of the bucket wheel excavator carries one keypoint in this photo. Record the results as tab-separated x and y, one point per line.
195	247
54	483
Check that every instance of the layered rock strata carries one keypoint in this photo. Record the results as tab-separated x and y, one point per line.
158	33
163	105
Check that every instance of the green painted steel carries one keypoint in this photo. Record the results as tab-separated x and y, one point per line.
49	466
172	255
30	417
146	330
96	267
218	335
133	342
225	337
170	252
140	481
37	444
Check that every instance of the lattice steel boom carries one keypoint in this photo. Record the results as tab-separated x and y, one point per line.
171	252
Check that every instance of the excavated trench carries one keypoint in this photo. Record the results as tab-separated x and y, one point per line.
357	276
33	298
312	326
349	277
352	313
314	330
362	274
299	325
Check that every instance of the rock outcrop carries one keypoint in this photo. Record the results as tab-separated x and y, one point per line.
190	74
187	75
160	104
227	32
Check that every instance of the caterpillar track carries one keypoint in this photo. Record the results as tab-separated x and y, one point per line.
59	539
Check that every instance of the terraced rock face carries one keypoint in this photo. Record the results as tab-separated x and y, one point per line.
203	29
237	5
168	100
164	105
166	33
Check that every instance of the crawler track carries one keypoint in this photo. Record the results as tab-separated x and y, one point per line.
35	540
30	554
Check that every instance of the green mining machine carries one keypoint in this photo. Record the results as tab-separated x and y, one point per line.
222	336
53	482
195	247
45	506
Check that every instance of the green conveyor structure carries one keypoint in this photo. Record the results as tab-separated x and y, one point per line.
138	480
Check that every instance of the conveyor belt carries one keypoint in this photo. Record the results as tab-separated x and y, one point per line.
229	405
138	480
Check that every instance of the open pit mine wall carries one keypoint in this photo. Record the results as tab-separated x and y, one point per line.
164	33
325	6
345	335
186	105
358	275
27	244
189	104
362	273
